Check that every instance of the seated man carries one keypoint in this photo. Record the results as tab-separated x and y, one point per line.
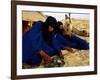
70	40
38	43
32	46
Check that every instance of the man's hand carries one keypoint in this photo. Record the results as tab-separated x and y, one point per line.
45	57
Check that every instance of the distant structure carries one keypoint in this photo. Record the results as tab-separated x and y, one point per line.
33	16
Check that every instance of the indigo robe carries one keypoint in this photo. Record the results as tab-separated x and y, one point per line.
32	44
73	42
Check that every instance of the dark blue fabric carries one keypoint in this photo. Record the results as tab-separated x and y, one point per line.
48	49
81	43
58	43
32	44
74	41
53	41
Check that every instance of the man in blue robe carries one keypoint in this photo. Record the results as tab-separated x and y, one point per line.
40	42
70	40
32	44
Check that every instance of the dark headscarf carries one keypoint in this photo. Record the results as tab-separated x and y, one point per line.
50	21
58	30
